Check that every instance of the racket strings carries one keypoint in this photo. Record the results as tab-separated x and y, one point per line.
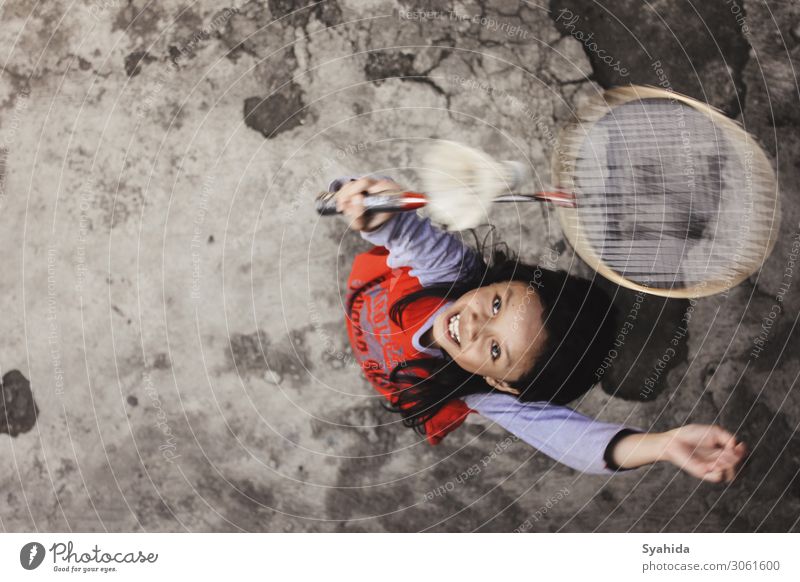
662	197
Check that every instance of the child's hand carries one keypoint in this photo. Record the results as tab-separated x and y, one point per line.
350	202
704	451
707	452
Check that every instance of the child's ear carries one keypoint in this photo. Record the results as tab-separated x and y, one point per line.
501	385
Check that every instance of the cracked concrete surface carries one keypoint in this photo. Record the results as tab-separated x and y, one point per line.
175	303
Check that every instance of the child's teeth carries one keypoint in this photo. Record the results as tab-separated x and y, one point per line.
454	328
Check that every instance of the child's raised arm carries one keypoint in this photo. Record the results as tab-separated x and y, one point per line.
433	255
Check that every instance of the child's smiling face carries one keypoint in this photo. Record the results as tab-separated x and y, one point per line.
496	331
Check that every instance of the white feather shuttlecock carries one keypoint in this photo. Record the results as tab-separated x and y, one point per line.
461	182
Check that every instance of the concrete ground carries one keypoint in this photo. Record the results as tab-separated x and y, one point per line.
172	342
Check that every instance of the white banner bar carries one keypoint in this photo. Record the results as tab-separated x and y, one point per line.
401	557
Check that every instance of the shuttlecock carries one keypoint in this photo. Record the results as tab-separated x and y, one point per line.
461	182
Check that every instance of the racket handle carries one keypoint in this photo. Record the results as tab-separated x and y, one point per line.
564	199
386	201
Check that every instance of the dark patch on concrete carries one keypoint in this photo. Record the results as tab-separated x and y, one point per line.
327	12
248	352
347	244
153	513
245	504
18	410
161	362
336	351
781	347
253	31
120	202
83	64
706	63
174	54
135	61
133	401
255	354
65	469
20	88
138	19
365	463
254	496
382	501
361	463
3	158
298	350
192	32
246	32
389	64
382	65
279	112
475	503
678	503
650	340
448	492
768	496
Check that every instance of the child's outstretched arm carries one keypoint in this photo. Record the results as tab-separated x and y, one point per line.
575	440
434	256
707	452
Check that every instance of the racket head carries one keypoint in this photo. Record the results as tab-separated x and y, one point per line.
673	198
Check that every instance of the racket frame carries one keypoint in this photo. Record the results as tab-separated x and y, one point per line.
565	157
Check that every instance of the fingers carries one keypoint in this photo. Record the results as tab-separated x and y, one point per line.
355	187
729	474
723	438
725	467
722	463
365	184
350	201
350	196
382	185
714	476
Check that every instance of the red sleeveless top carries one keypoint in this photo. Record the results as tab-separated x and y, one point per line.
379	345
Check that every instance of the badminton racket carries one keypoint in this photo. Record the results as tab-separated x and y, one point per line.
656	191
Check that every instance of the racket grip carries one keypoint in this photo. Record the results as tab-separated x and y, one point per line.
387	201
565	199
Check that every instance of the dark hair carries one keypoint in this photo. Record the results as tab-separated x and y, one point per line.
578	317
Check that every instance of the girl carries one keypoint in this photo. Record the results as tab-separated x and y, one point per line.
441	335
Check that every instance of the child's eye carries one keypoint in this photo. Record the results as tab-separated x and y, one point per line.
495	351
496	304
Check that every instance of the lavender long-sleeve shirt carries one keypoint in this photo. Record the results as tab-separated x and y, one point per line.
435	256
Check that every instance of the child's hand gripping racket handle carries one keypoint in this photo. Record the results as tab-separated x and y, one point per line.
386	201
368	202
